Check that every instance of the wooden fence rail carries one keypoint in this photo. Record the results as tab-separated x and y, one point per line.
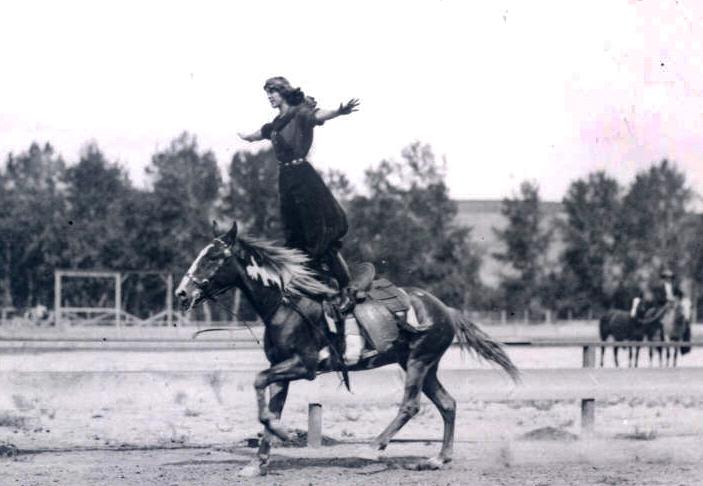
586	384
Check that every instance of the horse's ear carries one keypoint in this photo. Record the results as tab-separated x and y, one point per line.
232	233
215	229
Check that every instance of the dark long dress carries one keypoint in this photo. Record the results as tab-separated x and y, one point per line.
313	220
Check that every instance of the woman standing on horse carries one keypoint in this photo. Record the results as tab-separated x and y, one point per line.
313	221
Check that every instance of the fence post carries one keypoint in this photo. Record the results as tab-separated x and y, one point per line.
314	425
588	405
57	298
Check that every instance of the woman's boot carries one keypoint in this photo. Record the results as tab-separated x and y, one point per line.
340	270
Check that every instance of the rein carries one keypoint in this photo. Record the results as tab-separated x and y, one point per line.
213	297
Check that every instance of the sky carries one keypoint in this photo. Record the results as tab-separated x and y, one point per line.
504	91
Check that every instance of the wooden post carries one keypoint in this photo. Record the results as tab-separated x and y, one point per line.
169	300
57	298
314	425
118	298
503	316
526	316
588	405
548	316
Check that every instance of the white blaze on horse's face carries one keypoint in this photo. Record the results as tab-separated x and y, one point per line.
202	269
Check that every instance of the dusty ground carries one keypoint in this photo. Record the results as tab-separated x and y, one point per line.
95	418
520	463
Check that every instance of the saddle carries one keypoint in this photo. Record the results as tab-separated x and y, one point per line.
382	309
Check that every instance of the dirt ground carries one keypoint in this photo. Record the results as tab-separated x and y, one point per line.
95	418
672	461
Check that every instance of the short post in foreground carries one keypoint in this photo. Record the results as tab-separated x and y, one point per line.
588	405
314	425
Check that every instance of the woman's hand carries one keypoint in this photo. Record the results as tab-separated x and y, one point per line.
348	107
251	137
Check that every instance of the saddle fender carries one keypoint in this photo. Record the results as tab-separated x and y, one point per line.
386	310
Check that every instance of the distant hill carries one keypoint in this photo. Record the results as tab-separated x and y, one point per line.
483	215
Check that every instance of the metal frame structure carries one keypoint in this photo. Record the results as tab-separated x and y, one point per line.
118	277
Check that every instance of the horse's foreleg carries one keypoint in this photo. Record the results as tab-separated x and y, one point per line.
637	356
602	355
285	371
277	400
446	405
615	356
415	376
629	356
676	355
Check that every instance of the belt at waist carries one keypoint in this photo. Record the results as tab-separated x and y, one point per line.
291	163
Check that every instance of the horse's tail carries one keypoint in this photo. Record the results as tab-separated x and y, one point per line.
470	337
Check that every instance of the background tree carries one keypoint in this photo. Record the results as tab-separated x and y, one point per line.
589	231
653	219
526	242
95	192
251	193
405	227
186	185
30	221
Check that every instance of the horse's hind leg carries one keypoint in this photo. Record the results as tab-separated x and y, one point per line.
416	371
446	405
602	355
277	400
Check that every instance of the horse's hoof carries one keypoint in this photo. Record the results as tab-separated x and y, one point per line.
252	470
370	454
431	464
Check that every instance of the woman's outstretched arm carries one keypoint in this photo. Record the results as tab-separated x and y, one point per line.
347	108
251	137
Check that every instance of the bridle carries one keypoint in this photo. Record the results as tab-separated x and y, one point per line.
202	284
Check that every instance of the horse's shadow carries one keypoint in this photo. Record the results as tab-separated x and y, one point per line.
280	464
285	463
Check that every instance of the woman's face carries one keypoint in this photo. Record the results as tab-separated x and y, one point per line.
275	98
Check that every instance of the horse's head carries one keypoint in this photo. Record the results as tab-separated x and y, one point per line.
213	271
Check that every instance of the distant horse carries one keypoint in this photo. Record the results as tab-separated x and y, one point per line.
627	326
290	301
676	327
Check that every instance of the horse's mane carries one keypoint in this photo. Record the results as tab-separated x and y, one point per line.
284	267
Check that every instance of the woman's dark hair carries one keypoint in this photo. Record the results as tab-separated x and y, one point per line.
293	96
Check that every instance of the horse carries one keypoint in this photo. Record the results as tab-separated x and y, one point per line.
627	326
676	327
290	298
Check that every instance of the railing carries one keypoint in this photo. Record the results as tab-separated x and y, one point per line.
586	384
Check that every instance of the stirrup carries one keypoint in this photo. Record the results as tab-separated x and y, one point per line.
347	300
